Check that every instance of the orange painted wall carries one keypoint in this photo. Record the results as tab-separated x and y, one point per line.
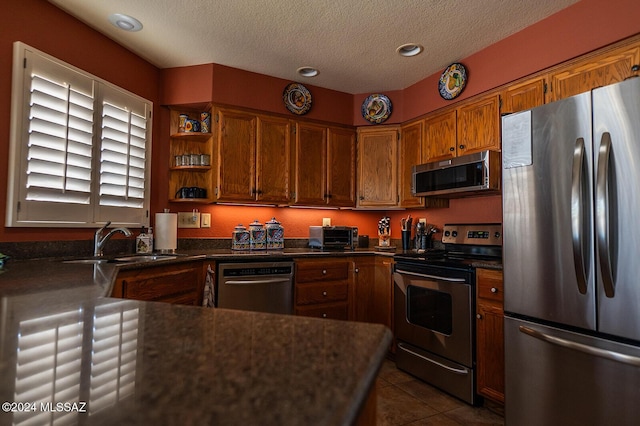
583	27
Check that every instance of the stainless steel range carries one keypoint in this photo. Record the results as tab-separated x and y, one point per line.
434	307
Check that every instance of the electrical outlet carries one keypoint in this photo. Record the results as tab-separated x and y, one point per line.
205	220
188	220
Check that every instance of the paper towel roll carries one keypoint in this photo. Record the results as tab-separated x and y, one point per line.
166	232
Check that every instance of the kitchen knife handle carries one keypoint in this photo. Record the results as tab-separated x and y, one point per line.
602	214
577	219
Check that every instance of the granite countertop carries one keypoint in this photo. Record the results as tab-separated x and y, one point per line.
146	362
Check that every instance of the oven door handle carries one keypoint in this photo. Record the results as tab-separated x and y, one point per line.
439	364
257	282
432	277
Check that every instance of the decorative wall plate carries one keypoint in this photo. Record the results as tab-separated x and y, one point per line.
452	81
376	108
297	98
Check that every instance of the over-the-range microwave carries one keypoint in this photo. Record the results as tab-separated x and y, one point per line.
472	174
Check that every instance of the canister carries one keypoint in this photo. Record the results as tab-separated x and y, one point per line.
258	236
275	235
240	238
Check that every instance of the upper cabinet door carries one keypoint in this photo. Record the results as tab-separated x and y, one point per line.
236	156
601	70
273	159
439	142
378	167
310	159
341	167
479	125
523	96
410	155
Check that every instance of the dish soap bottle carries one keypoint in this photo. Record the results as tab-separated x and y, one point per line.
144	242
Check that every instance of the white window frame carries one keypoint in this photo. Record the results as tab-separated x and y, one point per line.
127	150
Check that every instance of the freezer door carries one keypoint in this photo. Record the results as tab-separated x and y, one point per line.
548	213
556	377
616	112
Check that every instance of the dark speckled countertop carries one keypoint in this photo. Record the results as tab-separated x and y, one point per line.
141	363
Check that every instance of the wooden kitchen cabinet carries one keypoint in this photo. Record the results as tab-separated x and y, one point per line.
373	289
253	157
411	135
322	288
341	167
197	143
523	95
324	166
310	159
378	167
490	334
478	125
440	138
179	283
236	131
273	159
609	66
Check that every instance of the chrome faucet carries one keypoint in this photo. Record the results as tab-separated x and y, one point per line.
99	241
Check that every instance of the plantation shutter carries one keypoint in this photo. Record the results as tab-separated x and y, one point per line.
124	155
59	128
80	152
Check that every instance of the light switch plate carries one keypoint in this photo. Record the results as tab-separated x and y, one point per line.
205	220
188	220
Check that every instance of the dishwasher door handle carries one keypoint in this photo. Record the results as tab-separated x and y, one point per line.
258	282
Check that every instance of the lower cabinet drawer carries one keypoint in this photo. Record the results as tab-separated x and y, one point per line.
339	311
321	293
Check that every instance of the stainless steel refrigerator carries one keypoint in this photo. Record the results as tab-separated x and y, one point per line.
571	252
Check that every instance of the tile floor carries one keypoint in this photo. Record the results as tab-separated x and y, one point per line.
405	400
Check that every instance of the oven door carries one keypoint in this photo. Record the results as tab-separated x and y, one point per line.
434	311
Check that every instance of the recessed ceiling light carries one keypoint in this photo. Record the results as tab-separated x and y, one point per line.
308	71
125	22
409	49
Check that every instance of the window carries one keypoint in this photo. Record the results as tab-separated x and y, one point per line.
80	147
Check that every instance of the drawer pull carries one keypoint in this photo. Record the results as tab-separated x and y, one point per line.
324	293
494	290
324	315
324	272
478	316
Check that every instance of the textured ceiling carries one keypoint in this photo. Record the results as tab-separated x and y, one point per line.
352	42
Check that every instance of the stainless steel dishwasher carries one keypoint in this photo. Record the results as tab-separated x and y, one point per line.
256	286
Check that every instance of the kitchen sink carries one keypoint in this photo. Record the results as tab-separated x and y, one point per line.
124	259
144	258
91	261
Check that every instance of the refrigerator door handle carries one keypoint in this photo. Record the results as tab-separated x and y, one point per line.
602	214
589	350
577	215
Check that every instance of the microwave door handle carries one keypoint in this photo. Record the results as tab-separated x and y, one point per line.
577	217
602	214
431	277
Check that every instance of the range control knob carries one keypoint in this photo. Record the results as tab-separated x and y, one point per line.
454	234
447	233
497	234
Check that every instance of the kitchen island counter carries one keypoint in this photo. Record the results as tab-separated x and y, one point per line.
155	363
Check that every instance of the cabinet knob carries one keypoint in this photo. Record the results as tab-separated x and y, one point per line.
494	290
324	315
461	146
324	293
635	68
452	149
357	270
478	316
324	272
